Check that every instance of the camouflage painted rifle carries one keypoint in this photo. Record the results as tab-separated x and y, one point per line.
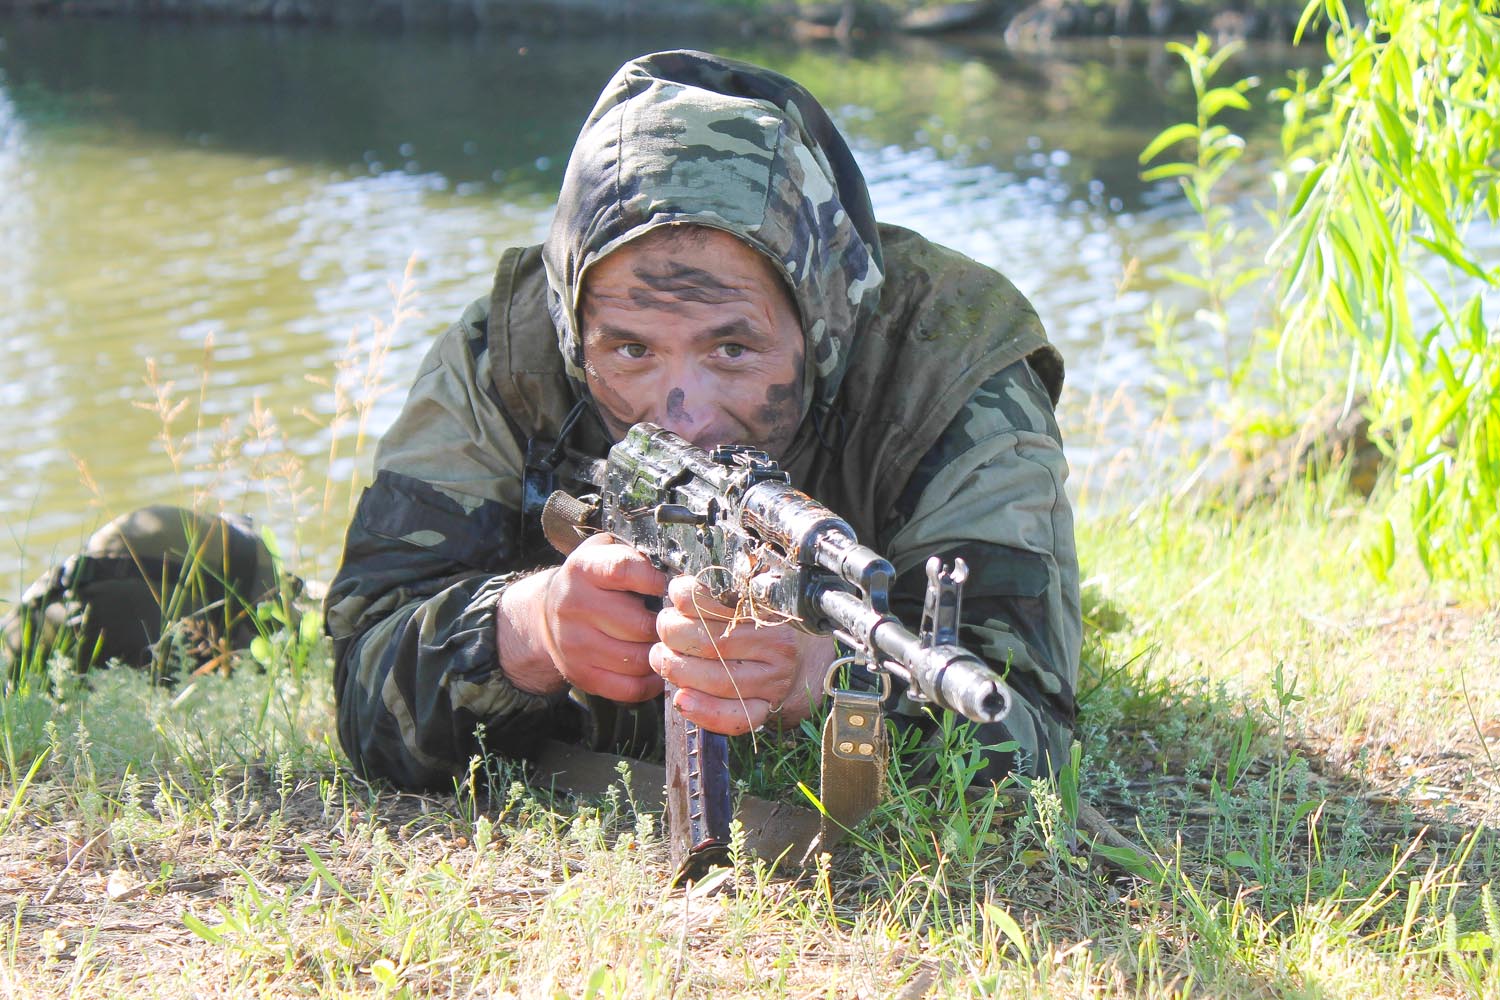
731	519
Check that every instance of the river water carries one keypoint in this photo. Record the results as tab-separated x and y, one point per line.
218	219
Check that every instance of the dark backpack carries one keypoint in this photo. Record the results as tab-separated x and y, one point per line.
154	571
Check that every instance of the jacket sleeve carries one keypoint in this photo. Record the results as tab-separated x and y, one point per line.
991	491
433	542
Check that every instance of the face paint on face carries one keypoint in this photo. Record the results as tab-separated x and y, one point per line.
782	410
675	409
680	282
712	350
619	413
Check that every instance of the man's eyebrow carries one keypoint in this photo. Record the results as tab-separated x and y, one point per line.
737	328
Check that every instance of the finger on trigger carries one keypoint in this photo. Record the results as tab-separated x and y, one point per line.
620	567
597	539
621	615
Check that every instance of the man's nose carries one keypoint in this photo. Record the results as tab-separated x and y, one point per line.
675	413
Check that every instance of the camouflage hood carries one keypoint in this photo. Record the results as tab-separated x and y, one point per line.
687	137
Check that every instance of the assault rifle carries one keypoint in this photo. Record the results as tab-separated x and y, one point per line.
731	519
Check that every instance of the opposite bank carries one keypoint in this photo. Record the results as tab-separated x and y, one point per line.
1023	22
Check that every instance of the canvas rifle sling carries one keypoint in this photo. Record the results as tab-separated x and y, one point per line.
853	763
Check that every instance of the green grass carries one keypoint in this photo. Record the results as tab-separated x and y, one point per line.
1302	756
1300	753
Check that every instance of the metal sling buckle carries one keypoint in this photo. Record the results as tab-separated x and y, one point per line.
856	716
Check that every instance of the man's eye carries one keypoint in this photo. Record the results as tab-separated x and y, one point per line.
734	350
633	350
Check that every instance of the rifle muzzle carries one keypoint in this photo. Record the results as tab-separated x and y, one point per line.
955	679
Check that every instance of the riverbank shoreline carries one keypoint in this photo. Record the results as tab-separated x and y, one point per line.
1021	23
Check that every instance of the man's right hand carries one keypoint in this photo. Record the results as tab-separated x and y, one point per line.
584	623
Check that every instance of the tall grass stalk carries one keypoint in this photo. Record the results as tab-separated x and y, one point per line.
357	385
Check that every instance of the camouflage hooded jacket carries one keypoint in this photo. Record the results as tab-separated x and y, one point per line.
927	422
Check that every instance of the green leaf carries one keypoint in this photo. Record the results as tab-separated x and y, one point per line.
1394	130
1184	278
1372	219
1240	859
1453	254
1307	806
1381	555
210	934
1341	311
1309	13
1219	98
1475	941
1297	266
1472	319
1006	924
1167	137
1216	135
1304	192
19	795
326	875
1216	63
1359	72
1168	170
1355	256
711	882
311	627
600	980
269	538
1133	861
1248	276
383	970
812	797
1067	785
1451	379
1427	190
1451	410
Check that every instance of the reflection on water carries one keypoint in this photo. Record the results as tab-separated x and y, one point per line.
164	184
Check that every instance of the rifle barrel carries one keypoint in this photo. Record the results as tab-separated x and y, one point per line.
949	676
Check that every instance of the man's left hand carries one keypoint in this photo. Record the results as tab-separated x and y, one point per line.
732	680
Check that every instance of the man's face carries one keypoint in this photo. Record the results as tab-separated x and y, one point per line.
695	331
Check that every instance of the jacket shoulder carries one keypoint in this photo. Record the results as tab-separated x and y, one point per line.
526	366
937	301
946	324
